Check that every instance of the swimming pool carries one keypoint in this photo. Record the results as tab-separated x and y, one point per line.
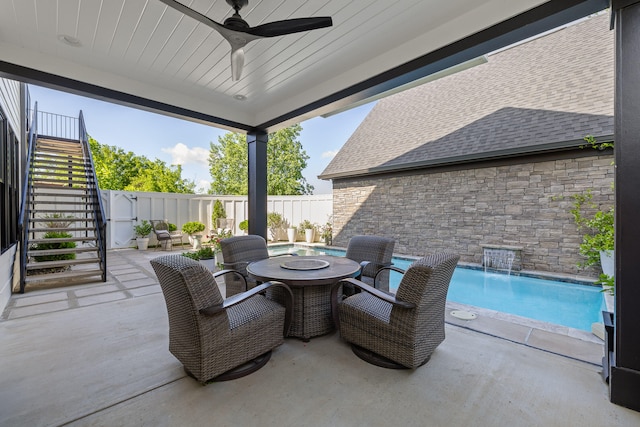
573	305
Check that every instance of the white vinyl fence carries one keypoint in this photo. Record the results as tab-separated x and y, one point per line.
124	209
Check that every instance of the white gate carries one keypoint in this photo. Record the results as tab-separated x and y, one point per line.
121	212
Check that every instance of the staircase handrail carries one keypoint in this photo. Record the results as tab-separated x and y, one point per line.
58	126
101	221
23	223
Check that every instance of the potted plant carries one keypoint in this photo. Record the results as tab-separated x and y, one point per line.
244	226
216	244
205	256
217	214
326	233
142	231
308	228
193	228
274	223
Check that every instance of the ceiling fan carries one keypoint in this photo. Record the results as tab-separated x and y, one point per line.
238	33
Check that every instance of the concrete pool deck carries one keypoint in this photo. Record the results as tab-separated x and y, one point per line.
97	354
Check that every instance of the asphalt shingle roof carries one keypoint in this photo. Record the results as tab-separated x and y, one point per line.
546	93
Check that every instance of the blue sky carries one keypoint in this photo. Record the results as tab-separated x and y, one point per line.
182	142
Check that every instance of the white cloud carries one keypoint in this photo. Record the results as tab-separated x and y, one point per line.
329	154
182	155
202	186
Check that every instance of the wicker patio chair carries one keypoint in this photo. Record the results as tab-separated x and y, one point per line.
400	331
163	235
373	253
237	253
214	338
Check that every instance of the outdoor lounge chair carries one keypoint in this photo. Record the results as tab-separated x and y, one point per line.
237	253
215	338
373	253
400	331
163	235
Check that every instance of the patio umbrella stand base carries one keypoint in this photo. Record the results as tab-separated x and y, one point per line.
239	372
376	359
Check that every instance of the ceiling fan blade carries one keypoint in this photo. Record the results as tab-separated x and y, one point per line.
289	26
193	14
237	62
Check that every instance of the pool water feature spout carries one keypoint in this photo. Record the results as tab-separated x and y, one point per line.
498	259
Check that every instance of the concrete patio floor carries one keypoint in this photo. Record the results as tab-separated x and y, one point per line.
97	354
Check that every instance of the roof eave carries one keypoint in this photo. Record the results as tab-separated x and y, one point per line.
468	158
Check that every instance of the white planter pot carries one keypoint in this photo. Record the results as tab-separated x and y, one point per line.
209	264
143	243
308	235
607	259
219	258
291	234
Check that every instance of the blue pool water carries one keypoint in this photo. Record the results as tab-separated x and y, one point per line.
568	304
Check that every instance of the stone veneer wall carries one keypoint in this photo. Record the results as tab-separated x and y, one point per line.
520	204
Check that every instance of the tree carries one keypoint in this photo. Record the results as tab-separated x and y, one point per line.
120	170
228	164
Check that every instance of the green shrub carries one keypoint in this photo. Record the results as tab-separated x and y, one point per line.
193	227
202	253
218	213
143	229
597	224
244	225
53	245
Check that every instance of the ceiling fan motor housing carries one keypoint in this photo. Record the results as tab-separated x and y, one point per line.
237	4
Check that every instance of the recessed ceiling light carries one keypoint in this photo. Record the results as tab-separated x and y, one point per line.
69	40
239	97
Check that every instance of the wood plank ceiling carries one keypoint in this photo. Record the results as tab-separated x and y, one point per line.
145	49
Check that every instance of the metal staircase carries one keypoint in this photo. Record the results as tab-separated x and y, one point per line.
62	220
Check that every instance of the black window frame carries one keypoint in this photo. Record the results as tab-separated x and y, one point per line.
9	184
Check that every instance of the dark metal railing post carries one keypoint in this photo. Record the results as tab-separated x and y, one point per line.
23	221
98	209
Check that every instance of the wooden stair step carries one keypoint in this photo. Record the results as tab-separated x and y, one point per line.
47	161
62	251
58	202
74	219
67	211
63	275
63	239
56	156
58	184
70	145
60	177
65	192
67	229
60	263
59	148
57	165
58	168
